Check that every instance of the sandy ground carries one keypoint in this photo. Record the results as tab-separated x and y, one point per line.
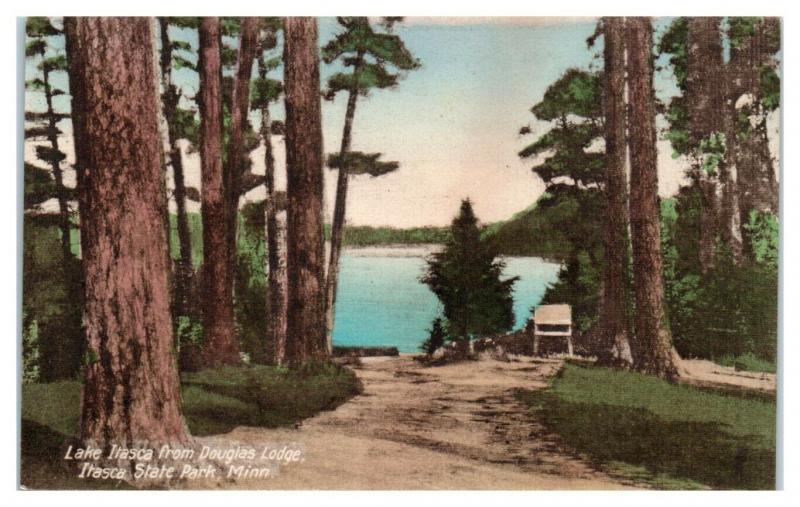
414	427
707	373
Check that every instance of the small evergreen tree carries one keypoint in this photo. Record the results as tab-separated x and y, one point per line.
435	339
466	278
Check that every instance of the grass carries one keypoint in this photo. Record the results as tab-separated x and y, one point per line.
214	401
670	436
748	362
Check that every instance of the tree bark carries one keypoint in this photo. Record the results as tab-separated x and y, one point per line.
277	293
170	98
275	232
77	90
712	111
305	245
248	46
131	391
614	347
705	102
652	349
337	228
730	213
220	346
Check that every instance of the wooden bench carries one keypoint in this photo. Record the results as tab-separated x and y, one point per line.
552	321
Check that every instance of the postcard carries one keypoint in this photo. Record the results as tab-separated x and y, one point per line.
400	253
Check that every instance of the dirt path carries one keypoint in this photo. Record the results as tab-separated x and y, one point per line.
450	427
704	373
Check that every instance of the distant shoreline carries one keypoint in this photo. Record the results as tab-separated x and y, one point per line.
394	250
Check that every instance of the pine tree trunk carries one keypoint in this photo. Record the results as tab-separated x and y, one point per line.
337	228
613	326
305	245
712	111
731	215
220	346
248	46
77	90
652	348
275	233
58	176
131	391
170	98
758	186
277	293
705	102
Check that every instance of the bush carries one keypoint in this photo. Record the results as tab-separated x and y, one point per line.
435	339
732	309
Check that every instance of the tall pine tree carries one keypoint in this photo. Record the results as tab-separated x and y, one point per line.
370	54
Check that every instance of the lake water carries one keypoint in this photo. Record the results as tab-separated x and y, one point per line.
381	301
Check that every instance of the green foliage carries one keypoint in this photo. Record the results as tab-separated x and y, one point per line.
674	42
740	29
712	152
264	91
40	27
576	92
185	125
732	309
369	76
360	46
195	221
672	436
51	298
436	337
466	278
578	285
565	223
357	162
748	362
677	134
250	303
30	352
179	62
38	125
770	85
366	235
572	104
762	232
53	64
39	186
188	330
535	231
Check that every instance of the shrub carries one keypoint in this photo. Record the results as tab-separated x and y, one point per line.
435	339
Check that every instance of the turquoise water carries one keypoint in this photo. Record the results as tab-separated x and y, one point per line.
381	301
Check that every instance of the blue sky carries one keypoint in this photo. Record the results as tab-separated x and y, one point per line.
452	124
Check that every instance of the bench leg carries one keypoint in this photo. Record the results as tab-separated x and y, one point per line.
569	345
535	345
